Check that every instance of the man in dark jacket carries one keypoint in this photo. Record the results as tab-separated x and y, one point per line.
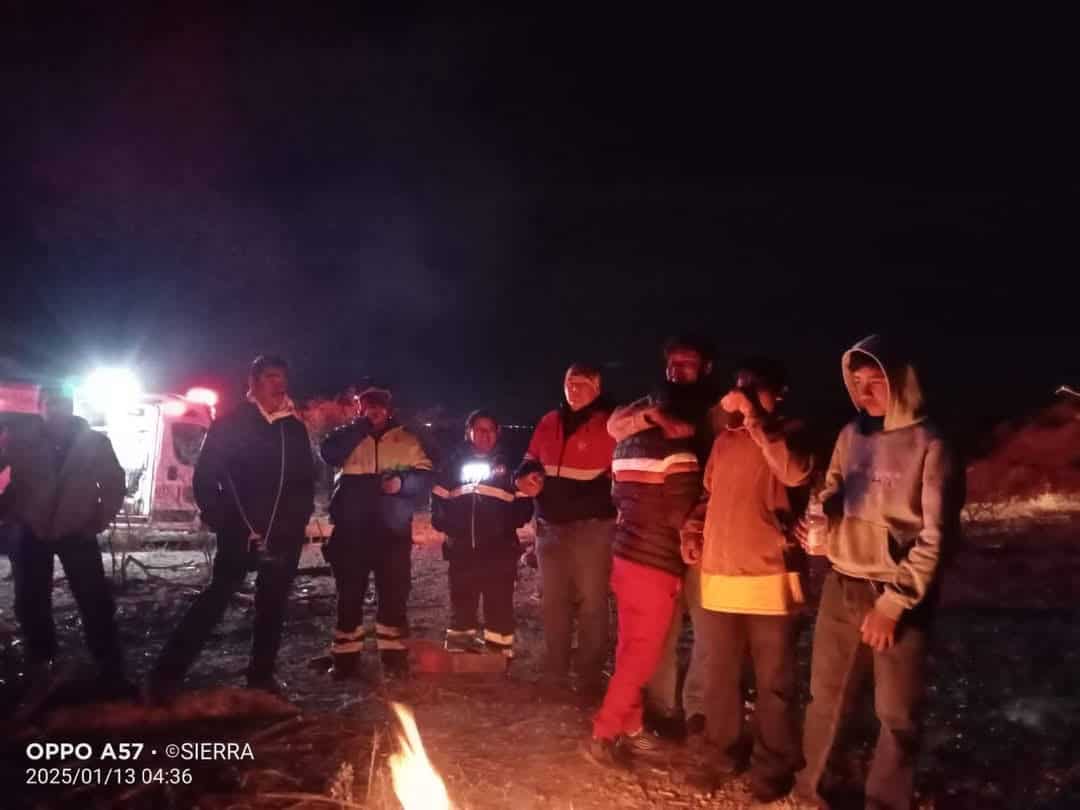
657	472
575	519
480	503
66	487
385	475
254	484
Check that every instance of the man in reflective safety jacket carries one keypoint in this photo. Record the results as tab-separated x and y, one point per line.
479	503
385	475
574	525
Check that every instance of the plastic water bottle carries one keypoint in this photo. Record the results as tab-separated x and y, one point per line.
817	527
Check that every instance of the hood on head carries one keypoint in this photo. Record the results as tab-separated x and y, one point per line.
905	392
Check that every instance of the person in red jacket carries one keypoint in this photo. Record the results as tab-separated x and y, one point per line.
575	520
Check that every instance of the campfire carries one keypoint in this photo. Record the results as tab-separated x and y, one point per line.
417	784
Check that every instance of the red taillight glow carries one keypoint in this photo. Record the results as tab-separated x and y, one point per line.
203	396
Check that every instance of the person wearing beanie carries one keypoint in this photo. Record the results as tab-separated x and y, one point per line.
479	503
385	477
575	521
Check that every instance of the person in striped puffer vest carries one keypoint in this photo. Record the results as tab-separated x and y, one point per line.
657	480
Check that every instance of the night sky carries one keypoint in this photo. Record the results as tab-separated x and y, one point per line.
460	206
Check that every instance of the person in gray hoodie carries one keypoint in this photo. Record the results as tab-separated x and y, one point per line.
891	502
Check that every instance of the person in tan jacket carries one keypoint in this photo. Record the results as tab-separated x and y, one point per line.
738	536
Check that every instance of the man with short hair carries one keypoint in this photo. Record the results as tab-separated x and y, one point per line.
65	488
574	526
254	484
385	476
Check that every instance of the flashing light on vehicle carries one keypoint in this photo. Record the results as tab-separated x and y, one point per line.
204	396
174	407
475	471
110	389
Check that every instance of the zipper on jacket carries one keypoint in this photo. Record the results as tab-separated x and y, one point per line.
562	449
473	528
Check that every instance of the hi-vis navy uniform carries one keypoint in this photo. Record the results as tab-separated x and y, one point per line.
373	532
475	503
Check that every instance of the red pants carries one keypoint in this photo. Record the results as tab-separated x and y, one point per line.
645	598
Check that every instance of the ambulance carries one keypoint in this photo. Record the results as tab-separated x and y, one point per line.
157	439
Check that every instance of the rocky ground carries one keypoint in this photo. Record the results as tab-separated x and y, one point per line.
1002	712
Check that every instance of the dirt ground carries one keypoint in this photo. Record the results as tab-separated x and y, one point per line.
1003	702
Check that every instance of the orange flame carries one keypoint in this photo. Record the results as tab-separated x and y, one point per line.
417	784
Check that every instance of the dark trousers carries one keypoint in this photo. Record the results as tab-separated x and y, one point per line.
354	559
491	578
575	570
275	572
770	641
32	567
661	693
840	663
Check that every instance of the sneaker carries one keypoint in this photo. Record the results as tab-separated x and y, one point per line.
606	754
643	743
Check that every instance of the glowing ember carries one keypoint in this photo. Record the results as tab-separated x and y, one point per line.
417	784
